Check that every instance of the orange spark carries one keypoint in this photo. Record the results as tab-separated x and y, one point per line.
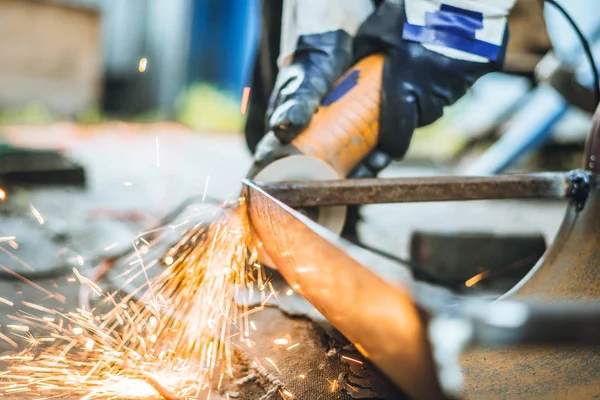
111	246
58	297
13	244
281	341
267	299
2	194
8	340
273	364
143	64
36	214
334	386
474	280
7	302
245	98
361	350
293	346
17	259
287	393
38	307
20	328
352	359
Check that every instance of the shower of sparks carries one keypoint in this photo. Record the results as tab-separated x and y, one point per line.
36	214
157	154
172	336
245	98
143	64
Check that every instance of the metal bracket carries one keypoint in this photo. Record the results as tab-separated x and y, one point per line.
580	184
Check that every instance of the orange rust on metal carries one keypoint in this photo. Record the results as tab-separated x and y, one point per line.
568	272
344	132
317	264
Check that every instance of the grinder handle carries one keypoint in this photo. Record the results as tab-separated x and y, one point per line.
345	128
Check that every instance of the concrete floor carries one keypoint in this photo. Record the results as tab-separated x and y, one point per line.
137	174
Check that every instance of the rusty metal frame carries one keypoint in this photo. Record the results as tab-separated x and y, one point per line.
422	189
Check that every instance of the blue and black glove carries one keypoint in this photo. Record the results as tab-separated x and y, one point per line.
431	59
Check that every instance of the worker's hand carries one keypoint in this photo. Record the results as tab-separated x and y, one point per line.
434	53
316	49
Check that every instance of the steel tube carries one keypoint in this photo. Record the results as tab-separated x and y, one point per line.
422	189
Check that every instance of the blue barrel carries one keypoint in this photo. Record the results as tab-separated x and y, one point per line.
224	36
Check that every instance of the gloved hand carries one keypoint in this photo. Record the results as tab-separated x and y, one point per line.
434	53
317	38
318	61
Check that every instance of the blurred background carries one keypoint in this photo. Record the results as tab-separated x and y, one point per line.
90	60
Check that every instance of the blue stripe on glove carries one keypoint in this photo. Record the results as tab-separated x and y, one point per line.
455	28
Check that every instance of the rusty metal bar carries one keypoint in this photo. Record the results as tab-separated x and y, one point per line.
422	189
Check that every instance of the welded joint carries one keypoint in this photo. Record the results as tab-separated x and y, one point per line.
579	186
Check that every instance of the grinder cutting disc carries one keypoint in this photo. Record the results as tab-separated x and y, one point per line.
301	167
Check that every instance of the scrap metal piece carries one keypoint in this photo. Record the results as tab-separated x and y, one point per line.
367	297
401	190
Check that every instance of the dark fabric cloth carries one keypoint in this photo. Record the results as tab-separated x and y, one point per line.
264	72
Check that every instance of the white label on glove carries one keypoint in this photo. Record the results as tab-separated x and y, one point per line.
494	13
305	17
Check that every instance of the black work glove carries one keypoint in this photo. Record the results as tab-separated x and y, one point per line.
318	61
418	82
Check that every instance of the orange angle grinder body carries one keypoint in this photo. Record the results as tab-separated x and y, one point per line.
342	132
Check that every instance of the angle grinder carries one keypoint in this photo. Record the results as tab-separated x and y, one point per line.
342	132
